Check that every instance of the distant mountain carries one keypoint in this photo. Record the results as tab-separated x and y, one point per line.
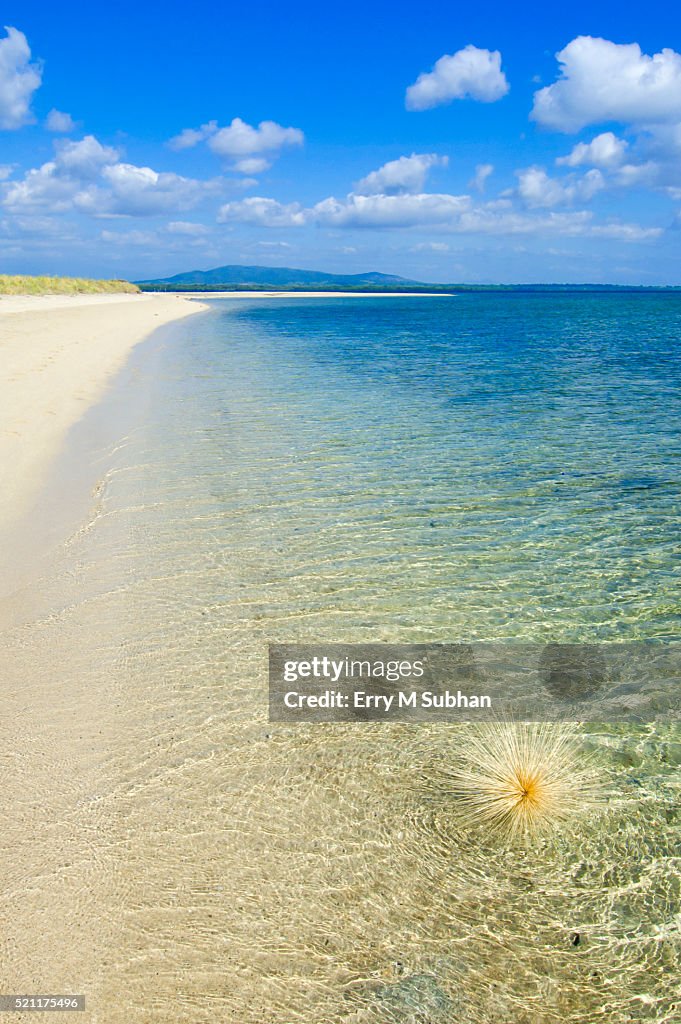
276	277
240	278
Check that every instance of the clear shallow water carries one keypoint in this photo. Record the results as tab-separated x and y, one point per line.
484	467
477	467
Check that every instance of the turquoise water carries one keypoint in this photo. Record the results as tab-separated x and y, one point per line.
470	468
478	467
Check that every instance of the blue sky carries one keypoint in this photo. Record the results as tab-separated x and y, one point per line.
437	142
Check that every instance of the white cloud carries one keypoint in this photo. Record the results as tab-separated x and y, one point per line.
58	121
605	81
190	137
609	152
252	165
146	238
265	212
630	175
37	228
164	238
89	177
407	174
482	173
183	227
498	219
445	213
241	140
241	143
665	140
19	79
625	232
469	73
536	188
489	220
430	247
41	187
378	211
56	184
605	150
85	158
131	191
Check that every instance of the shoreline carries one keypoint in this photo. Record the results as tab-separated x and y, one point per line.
274	294
59	356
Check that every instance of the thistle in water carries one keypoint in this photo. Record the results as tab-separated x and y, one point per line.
523	780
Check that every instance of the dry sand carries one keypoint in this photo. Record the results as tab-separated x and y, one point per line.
57	356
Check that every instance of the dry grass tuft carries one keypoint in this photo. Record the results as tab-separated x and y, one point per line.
15	284
523	780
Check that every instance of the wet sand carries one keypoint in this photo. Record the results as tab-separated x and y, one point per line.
57	355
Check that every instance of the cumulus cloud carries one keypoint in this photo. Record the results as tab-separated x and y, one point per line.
664	140
131	191
625	232
482	173
605	81
19	79
407	174
241	140
265	212
190	137
56	184
241	143
403	210
605	150
469	73
442	212
489	219
85	158
159	238
536	188
252	165
648	173
609	153
90	177
378	211
59	122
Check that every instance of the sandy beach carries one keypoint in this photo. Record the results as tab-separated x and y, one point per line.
58	353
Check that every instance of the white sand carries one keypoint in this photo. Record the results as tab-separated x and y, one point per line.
57	356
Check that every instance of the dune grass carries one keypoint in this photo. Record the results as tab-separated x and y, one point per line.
11	284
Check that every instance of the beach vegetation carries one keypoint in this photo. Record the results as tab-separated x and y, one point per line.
24	284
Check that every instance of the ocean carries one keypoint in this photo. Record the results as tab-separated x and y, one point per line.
493	466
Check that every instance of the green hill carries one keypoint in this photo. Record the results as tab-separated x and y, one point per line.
237	276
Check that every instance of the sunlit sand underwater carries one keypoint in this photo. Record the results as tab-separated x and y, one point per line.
485	467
